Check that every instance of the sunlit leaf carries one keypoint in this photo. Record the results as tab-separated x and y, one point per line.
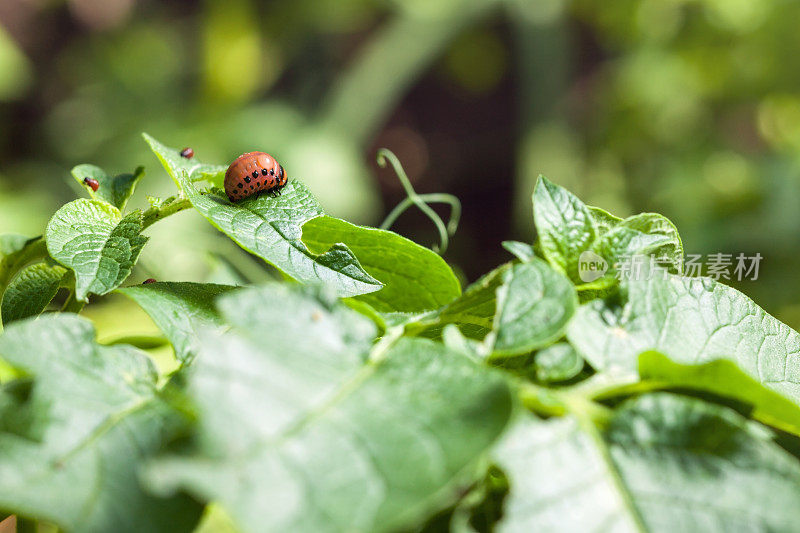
94	240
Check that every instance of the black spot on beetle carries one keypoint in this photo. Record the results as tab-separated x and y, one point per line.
239	185
264	171
255	173
247	179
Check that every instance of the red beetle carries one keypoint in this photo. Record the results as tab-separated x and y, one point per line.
252	173
91	183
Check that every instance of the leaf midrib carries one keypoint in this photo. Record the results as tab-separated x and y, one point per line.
587	425
375	359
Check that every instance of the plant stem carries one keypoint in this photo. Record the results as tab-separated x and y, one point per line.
589	425
388	340
25	525
432	198
541	401
72	305
592	418
412	198
558	402
154	214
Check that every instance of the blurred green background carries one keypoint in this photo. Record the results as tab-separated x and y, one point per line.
686	107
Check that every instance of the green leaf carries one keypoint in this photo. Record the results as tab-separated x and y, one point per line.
12	244
15	252
534	304
560	481
414	278
522	250
645	234
670	251
192	169
666	463
473	312
559	362
458	342
31	290
368	311
721	377
74	434
704	466
572	233
692	321
603	220
271	228
164	208
114	190
94	240
305	427
725	379
618	250
180	310
565	226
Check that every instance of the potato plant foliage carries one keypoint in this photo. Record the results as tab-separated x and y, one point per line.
367	391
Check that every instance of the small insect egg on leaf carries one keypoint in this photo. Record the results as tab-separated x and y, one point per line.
92	183
187	152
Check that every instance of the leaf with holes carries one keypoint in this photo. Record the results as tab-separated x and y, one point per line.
304	427
75	430
94	240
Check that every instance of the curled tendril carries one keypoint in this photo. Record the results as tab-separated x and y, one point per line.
421	201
